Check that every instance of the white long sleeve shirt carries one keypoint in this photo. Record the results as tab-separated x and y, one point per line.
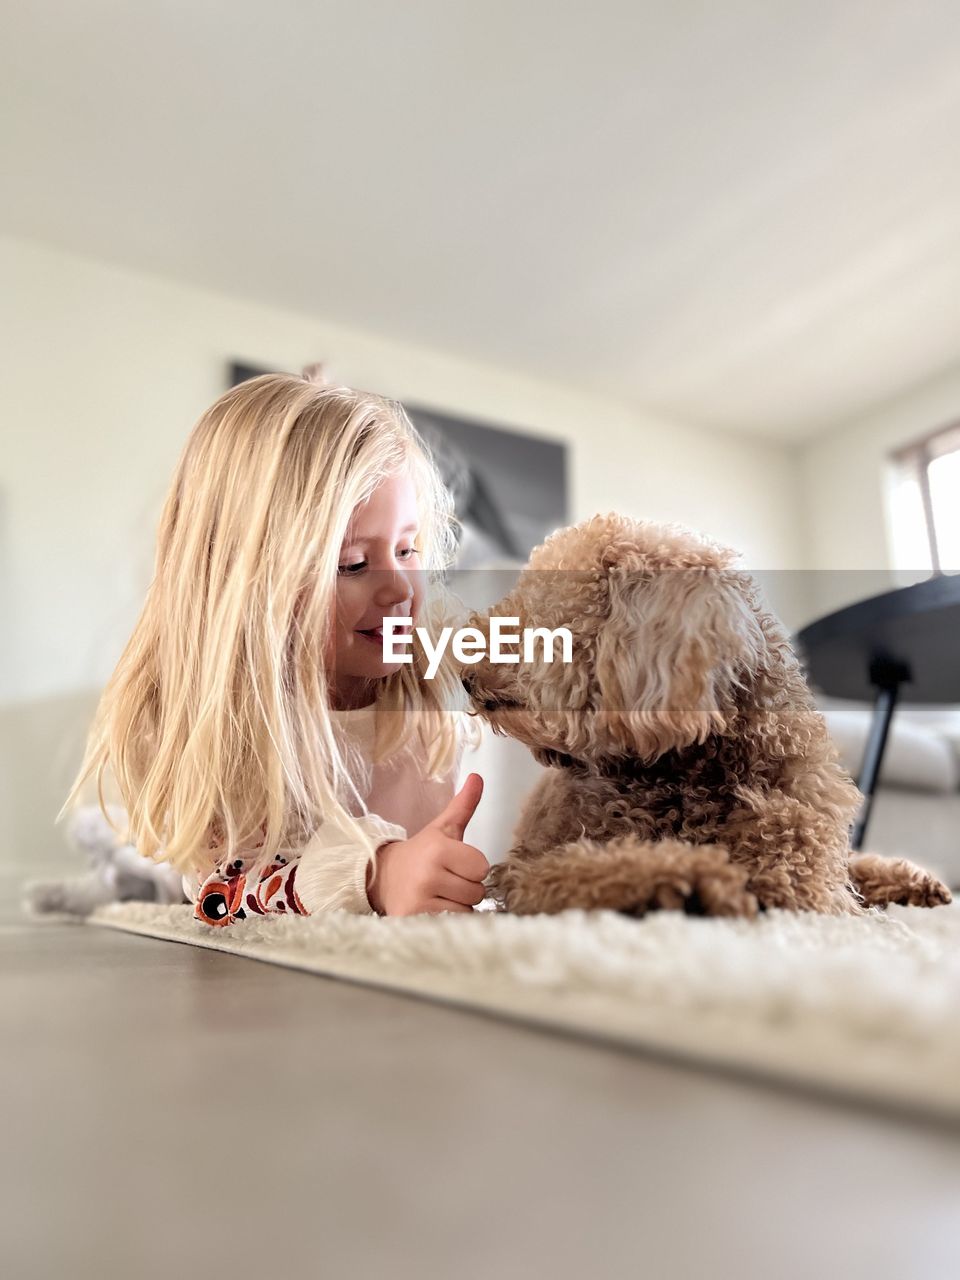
331	871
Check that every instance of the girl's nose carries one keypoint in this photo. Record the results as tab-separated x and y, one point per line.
393	587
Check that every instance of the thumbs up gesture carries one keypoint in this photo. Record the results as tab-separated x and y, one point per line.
433	870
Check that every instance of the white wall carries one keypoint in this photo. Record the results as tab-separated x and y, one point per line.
105	371
844	481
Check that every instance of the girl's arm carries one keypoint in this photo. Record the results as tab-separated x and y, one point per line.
328	873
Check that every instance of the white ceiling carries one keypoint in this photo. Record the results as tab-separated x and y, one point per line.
743	215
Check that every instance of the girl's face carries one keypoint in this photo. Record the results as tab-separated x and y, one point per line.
378	576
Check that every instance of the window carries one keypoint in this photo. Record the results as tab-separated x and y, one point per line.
926	502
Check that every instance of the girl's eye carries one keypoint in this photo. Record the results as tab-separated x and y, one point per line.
402	553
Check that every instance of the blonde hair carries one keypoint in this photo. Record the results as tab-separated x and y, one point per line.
215	726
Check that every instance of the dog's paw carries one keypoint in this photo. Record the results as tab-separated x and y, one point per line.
699	880
881	882
704	882
924	890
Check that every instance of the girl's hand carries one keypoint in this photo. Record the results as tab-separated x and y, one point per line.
433	870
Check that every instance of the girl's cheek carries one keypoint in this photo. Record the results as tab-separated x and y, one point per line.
349	601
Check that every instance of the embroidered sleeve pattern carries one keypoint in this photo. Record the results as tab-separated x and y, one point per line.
328	874
226	897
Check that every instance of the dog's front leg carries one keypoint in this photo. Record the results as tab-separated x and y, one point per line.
627	875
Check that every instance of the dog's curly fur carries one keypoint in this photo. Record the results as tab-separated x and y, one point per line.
688	765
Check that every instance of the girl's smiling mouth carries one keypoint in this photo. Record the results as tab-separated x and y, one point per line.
375	634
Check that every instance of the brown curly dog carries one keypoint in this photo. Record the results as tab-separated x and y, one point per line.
688	767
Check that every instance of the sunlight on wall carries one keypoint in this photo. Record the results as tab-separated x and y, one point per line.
906	525
944	478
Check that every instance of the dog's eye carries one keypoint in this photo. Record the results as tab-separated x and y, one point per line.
501	703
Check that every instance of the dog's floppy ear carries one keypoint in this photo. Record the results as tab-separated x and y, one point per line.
676	645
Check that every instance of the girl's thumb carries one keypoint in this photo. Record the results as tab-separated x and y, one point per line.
453	820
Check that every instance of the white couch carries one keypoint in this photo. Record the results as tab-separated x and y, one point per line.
916	809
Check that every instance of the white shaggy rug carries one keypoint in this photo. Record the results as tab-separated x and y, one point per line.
867	1007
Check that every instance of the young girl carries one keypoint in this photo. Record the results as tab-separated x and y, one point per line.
257	738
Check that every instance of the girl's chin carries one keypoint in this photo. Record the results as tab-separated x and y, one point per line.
372	670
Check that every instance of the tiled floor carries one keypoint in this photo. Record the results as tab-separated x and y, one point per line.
175	1112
